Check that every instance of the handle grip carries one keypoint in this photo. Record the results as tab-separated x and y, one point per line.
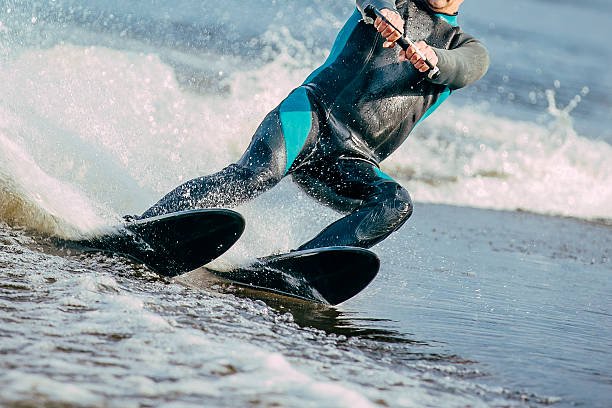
404	42
434	71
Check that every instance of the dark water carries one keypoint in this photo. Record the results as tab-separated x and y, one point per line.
528	296
106	105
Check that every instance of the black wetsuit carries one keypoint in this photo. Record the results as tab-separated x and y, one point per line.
331	133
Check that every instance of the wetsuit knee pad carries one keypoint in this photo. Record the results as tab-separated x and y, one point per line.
395	199
384	210
385	213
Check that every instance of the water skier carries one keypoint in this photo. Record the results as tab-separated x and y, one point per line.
331	133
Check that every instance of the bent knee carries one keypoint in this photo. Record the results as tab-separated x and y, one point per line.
396	201
403	202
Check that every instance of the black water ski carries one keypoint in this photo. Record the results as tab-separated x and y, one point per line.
324	275
170	244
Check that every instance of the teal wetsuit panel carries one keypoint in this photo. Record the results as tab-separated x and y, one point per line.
382	175
296	122
339	44
443	96
295	111
452	20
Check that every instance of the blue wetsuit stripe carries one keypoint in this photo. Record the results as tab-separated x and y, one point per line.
443	96
295	111
452	20
382	175
296	122
339	44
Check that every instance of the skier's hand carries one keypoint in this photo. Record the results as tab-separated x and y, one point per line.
415	59
386	30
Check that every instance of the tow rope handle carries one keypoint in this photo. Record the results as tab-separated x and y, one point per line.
404	42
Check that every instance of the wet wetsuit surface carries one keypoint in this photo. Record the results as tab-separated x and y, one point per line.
331	133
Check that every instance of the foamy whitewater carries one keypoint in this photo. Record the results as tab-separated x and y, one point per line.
495	293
